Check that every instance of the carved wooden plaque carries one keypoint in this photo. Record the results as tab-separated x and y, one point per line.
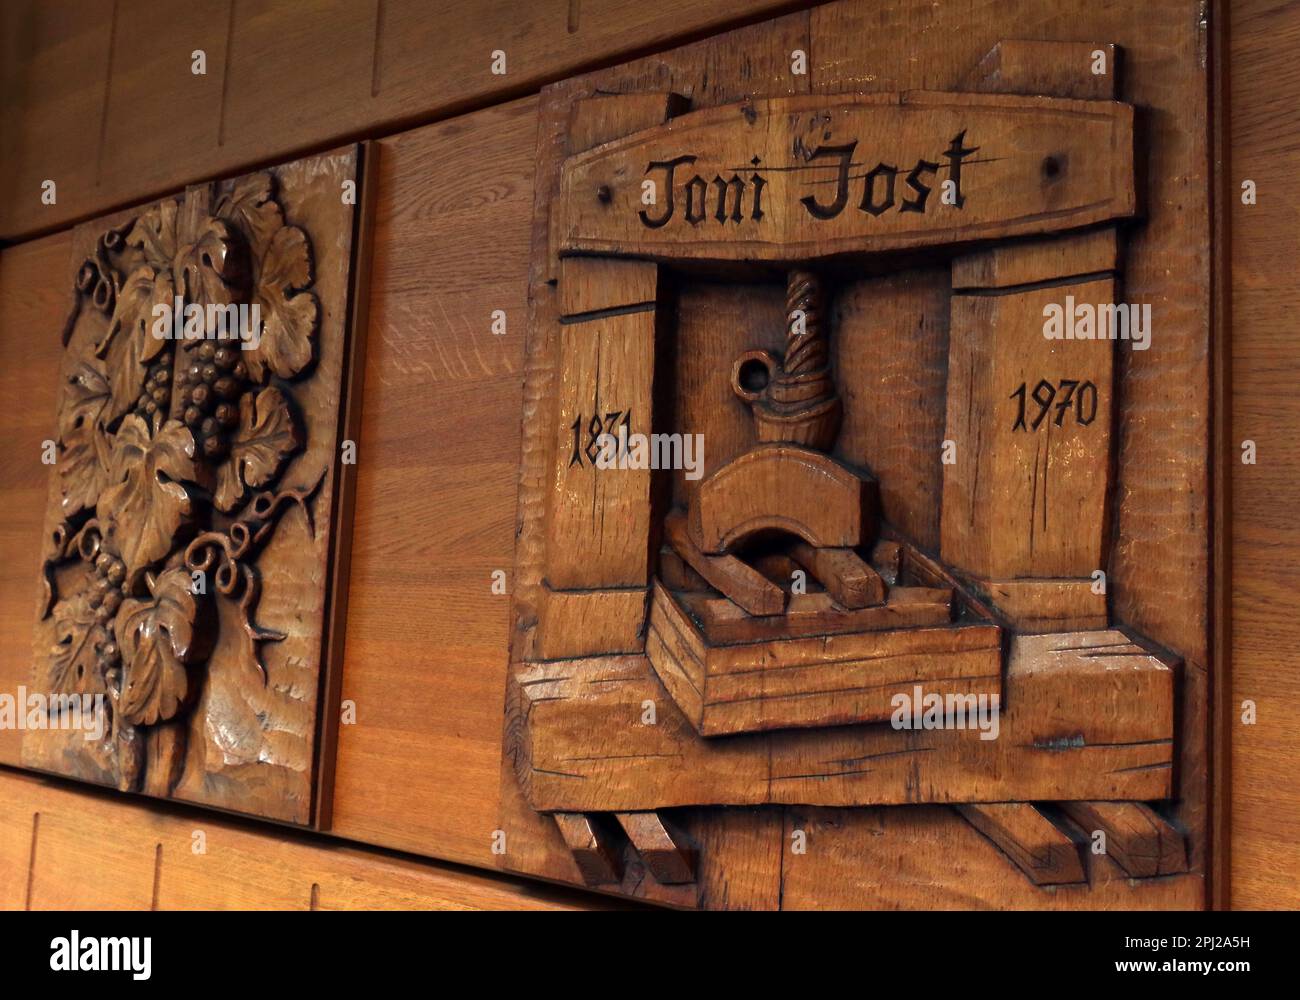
183	634
819	509
790	177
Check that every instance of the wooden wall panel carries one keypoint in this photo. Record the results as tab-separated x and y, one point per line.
34	283
17	826
153	94
54	67
1264	81
426	646
74	866
897	431
100	95
151	862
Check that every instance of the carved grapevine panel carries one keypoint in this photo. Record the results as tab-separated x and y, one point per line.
192	388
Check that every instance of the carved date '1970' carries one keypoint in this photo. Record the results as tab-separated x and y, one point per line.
879	186
1069	394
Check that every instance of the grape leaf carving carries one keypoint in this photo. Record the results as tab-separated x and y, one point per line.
156	639
86	446
286	341
212	266
284	344
252	207
206	258
147	502
130	343
73	665
154	233
267	435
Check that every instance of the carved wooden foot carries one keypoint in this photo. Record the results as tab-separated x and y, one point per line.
1046	854
598	846
1053	843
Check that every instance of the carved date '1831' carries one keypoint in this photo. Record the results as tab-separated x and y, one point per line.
1068	395
880	187
587	433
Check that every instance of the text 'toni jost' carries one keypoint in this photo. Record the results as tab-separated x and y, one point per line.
885	187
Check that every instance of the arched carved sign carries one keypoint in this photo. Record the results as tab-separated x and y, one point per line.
183	638
802	177
729	592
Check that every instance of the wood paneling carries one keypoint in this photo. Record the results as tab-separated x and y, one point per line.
35	281
100	95
54	855
426	643
427	639
55	60
1264	81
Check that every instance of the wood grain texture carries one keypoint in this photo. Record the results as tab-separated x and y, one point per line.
1086	70
593	848
741	858
1264	79
598	513
34	282
892	330
1047	605
1027	492
56	78
856	36
817	614
1138	839
426	643
582	622
666	851
844	574
186	859
1047	164
1024	263
755	61
780	680
593	284
596	120
786	487
441	750
101	83
747	587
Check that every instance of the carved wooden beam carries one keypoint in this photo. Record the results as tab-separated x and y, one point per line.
595	850
667	851
1045	853
1085	714
1138	839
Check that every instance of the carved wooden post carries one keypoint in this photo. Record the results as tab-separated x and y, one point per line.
598	502
1026	488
